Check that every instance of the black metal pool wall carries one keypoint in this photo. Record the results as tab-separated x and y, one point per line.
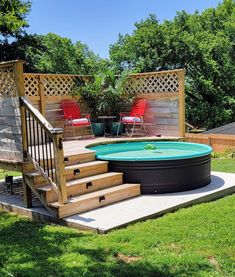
167	175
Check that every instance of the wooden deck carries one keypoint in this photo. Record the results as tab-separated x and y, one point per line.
74	147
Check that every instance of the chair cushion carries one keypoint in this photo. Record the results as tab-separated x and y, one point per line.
131	119
79	122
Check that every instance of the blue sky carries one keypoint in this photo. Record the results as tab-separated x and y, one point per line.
98	22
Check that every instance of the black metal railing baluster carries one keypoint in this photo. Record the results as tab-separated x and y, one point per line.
27	131
43	155
30	135
46	154
38	144
52	174
56	181
34	140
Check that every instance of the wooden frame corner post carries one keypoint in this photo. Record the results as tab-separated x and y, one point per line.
19	81
59	165
181	75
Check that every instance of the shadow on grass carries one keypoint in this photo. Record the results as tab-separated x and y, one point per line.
29	248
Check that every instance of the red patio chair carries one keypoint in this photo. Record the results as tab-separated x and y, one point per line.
72	115
135	117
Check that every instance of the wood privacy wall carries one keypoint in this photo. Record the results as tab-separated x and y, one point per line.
164	90
10	122
219	142
46	91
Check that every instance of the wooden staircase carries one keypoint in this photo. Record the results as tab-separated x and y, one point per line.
89	185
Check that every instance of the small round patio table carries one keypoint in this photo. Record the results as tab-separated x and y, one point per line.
106	119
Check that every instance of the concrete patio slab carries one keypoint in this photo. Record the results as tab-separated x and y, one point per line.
136	209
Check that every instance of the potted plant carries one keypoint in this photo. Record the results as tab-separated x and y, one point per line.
113	96
90	90
105	96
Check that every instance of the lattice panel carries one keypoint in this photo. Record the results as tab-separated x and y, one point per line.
155	83
7	82
58	85
61	85
31	84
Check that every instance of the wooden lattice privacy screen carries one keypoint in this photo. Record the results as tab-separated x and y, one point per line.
166	105
10	122
164	90
154	83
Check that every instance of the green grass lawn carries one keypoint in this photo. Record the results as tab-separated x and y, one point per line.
3	173
196	241
223	165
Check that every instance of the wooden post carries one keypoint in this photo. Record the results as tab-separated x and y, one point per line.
59	165
19	81
19	77
27	195
209	140
181	103
42	95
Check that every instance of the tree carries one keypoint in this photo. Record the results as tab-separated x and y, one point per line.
13	17
203	44
54	54
12	24
48	54
142	51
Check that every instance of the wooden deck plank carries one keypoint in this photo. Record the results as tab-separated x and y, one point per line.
93	200
85	185
77	147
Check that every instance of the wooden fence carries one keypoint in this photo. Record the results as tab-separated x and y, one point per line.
164	91
10	121
219	143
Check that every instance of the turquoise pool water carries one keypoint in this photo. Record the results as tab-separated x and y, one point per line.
150	151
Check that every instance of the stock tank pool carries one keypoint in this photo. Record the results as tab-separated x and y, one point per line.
160	167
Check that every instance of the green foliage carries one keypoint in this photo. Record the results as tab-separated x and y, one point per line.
60	55
43	53
150	147
105	93
22	49
52	54
203	44
13	17
228	154
142	50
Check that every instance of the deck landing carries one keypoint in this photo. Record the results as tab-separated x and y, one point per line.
123	213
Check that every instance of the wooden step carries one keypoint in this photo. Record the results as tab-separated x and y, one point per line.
76	171
96	199
36	179
85	169
84	185
27	167
81	157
